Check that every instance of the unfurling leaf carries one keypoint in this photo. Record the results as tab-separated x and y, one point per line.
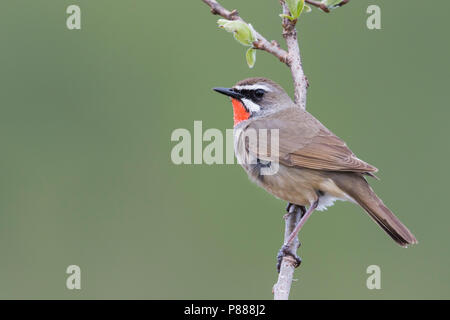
287	17
242	32
250	55
295	8
292	6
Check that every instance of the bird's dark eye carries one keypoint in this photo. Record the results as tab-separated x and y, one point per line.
259	93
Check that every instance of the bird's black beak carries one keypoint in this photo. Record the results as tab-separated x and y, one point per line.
229	92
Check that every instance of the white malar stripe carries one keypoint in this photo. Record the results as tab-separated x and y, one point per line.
252	87
251	106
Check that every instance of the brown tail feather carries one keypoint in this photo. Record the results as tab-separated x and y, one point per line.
358	188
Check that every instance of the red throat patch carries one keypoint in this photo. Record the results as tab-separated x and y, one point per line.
239	112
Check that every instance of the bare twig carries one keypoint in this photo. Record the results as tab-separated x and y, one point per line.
261	43
294	59
343	2
323	6
319	5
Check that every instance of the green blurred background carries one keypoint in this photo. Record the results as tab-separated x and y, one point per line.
86	178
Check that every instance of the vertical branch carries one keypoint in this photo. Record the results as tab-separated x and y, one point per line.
282	288
294	59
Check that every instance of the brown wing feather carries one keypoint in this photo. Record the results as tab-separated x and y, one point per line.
305	142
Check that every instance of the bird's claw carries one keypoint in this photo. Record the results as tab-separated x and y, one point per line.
285	251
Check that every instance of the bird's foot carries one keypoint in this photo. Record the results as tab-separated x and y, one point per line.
286	251
290	208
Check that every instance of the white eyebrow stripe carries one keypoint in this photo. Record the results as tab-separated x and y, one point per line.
252	87
251	106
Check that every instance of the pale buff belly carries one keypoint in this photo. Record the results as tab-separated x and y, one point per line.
300	186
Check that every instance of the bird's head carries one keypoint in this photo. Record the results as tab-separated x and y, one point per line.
255	97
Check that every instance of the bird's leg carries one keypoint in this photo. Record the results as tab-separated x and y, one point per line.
285	249
294	214
293	208
305	217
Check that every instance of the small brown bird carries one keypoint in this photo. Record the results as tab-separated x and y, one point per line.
314	166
